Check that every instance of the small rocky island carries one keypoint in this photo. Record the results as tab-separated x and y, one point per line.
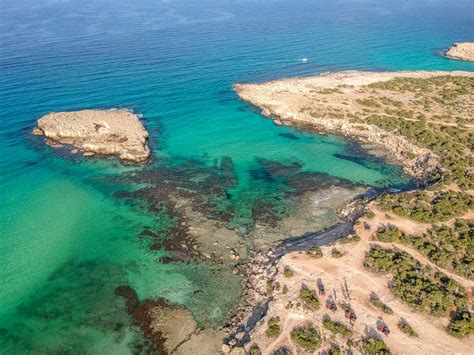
461	51
107	132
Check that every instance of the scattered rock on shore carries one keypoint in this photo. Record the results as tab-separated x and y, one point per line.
108	132
461	51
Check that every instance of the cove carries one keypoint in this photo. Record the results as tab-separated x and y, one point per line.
72	229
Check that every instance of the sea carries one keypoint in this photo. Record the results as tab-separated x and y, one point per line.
72	228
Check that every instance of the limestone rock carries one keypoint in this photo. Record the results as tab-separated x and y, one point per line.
108	132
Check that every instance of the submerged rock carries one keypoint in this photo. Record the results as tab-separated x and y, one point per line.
461	51
108	132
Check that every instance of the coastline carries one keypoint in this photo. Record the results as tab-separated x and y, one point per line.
423	167
275	100
262	269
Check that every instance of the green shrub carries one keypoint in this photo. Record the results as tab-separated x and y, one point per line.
375	300
448	247
422	207
419	286
255	350
461	324
306	336
370	215
287	272
334	350
336	327
315	252
353	239
309	297
389	234
336	253
375	347
273	329
407	328
368	103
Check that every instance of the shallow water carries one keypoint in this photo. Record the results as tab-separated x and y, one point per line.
66	240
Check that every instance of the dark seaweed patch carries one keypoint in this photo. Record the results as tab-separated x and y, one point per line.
289	136
140	312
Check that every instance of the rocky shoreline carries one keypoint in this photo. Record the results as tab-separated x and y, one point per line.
105	132
260	273
331	102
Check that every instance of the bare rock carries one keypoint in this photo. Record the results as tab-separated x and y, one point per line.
108	132
225	348
461	51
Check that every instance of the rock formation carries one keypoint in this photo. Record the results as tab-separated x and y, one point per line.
461	51
107	132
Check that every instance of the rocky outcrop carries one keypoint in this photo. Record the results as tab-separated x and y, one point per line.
259	275
106	132
461	51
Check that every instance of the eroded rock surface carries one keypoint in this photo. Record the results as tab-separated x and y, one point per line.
107	132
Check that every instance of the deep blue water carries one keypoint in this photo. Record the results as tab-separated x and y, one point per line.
65	242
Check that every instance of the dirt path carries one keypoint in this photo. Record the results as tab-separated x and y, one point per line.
349	270
440	123
414	228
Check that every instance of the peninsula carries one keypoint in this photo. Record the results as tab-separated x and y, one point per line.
403	281
461	51
106	132
369	106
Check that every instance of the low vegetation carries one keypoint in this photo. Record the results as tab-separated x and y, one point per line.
336	327
448	247
462	323
309	298
427	206
287	272
370	215
273	329
438	99
255	350
349	240
315	252
372	346
407	328
306	337
375	300
334	350
388	234
336	253
419	286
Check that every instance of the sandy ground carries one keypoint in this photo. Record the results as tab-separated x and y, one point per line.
348	270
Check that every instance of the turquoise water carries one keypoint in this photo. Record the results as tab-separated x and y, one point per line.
66	240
